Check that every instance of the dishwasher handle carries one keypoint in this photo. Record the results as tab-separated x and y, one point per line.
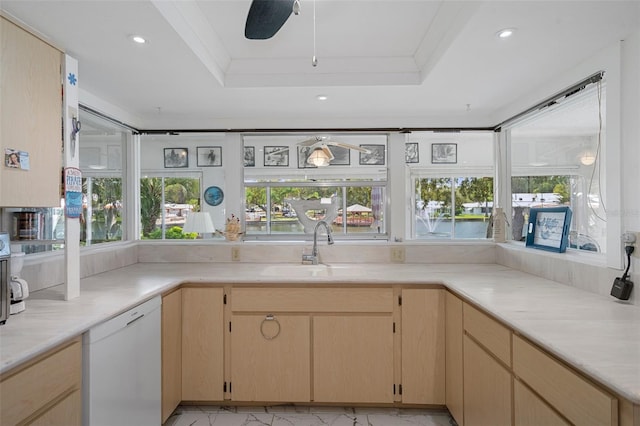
134	320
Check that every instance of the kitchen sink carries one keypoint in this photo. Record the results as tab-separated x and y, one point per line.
304	271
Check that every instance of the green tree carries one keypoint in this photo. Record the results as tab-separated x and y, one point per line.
150	203
436	189
477	190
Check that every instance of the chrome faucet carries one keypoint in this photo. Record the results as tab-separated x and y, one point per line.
313	257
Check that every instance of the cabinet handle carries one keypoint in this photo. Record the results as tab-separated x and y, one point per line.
269	317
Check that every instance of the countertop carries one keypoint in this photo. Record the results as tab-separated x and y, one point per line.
598	335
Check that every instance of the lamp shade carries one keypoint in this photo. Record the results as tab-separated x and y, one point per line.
318	158
198	222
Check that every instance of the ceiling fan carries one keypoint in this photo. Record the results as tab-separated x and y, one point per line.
321	154
266	17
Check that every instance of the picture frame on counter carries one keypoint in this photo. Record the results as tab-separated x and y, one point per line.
548	228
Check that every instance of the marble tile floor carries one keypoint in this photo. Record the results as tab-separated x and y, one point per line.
289	415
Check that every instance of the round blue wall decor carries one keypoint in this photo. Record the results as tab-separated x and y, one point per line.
213	195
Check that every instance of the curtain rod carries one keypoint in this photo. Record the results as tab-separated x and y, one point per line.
571	90
321	130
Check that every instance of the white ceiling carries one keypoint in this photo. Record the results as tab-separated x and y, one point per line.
382	63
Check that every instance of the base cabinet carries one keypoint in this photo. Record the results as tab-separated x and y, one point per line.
45	391
487	388
353	359
271	358
423	346
171	352
530	410
454	360
202	344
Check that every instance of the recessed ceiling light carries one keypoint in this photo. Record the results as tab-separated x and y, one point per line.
138	39
322	97
506	32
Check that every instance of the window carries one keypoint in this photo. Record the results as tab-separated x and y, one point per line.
285	196
556	160
165	202
452	185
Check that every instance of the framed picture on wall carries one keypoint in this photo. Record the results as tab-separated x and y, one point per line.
341	156
444	153
276	156
375	157
303	154
176	158
209	156
249	158
411	153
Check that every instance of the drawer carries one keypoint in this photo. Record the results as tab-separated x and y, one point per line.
488	332
580	401
28	390
295	299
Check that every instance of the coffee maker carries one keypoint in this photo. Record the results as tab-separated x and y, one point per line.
19	287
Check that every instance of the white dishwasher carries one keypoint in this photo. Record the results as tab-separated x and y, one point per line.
122	369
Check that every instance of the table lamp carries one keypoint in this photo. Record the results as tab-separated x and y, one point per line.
199	222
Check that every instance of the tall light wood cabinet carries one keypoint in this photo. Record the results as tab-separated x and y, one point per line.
30	118
423	346
171	352
202	344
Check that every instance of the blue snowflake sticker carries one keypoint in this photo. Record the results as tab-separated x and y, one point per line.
72	79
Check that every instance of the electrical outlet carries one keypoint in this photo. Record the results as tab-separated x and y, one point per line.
397	254
235	254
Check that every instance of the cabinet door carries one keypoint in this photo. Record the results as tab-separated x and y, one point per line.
270	358
531	410
487	388
30	118
202	344
353	358
423	346
171	352
454	361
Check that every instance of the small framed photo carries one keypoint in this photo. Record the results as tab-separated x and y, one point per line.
411	152
249	158
444	153
341	156
276	156
209	156
375	157
303	154
548	228
176	158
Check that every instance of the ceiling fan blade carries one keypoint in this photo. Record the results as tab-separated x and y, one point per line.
312	141
327	151
348	146
266	17
280	151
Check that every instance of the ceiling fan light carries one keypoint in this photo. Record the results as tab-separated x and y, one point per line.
318	158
